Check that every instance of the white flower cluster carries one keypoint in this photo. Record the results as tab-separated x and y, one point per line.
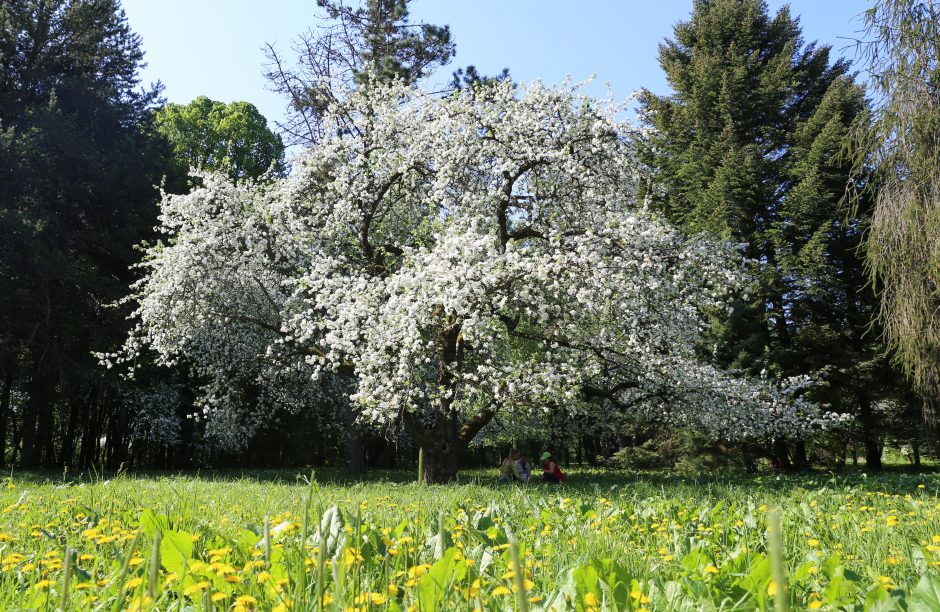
481	251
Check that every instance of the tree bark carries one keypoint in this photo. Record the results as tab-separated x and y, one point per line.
445	442
355	449
89	432
870	437
5	396
781	456
68	441
42	387
45	431
800	460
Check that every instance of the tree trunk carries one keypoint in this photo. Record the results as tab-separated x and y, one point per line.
68	441
355	448
781	456
45	432
42	387
915	452
445	442
800	460
873	456
5	396
870	435
89	433
441	460
749	459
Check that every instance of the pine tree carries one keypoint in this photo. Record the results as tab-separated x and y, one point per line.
749	148
354	44
79	161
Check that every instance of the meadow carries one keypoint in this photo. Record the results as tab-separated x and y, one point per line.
630	541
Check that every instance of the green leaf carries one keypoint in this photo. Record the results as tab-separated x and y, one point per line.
331	531
432	587
586	581
176	549
926	595
757	579
151	523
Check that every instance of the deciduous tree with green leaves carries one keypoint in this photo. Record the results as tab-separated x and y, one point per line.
231	138
899	160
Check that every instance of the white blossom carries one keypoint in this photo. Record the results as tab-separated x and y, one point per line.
480	251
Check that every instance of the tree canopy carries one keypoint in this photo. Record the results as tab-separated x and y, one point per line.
437	251
79	162
749	148
232	138
898	162
374	42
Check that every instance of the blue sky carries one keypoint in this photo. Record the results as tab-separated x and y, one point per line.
214	47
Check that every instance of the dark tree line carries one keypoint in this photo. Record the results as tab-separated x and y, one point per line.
79	166
754	146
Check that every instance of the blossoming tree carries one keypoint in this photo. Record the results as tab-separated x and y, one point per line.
455	258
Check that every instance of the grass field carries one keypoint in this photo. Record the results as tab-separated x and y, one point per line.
603	541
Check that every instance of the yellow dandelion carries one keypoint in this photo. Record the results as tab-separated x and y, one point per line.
195	588
140	603
133	583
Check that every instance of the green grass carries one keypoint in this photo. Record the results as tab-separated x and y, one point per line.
603	541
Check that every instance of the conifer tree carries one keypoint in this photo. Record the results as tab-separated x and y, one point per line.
748	148
79	161
354	44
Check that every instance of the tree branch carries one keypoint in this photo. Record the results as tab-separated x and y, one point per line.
474	424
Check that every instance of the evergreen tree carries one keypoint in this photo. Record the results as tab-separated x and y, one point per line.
79	161
353	45
749	148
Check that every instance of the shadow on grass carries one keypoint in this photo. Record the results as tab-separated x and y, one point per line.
892	480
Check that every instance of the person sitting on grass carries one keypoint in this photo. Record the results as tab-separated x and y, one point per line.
551	472
524	468
509	471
